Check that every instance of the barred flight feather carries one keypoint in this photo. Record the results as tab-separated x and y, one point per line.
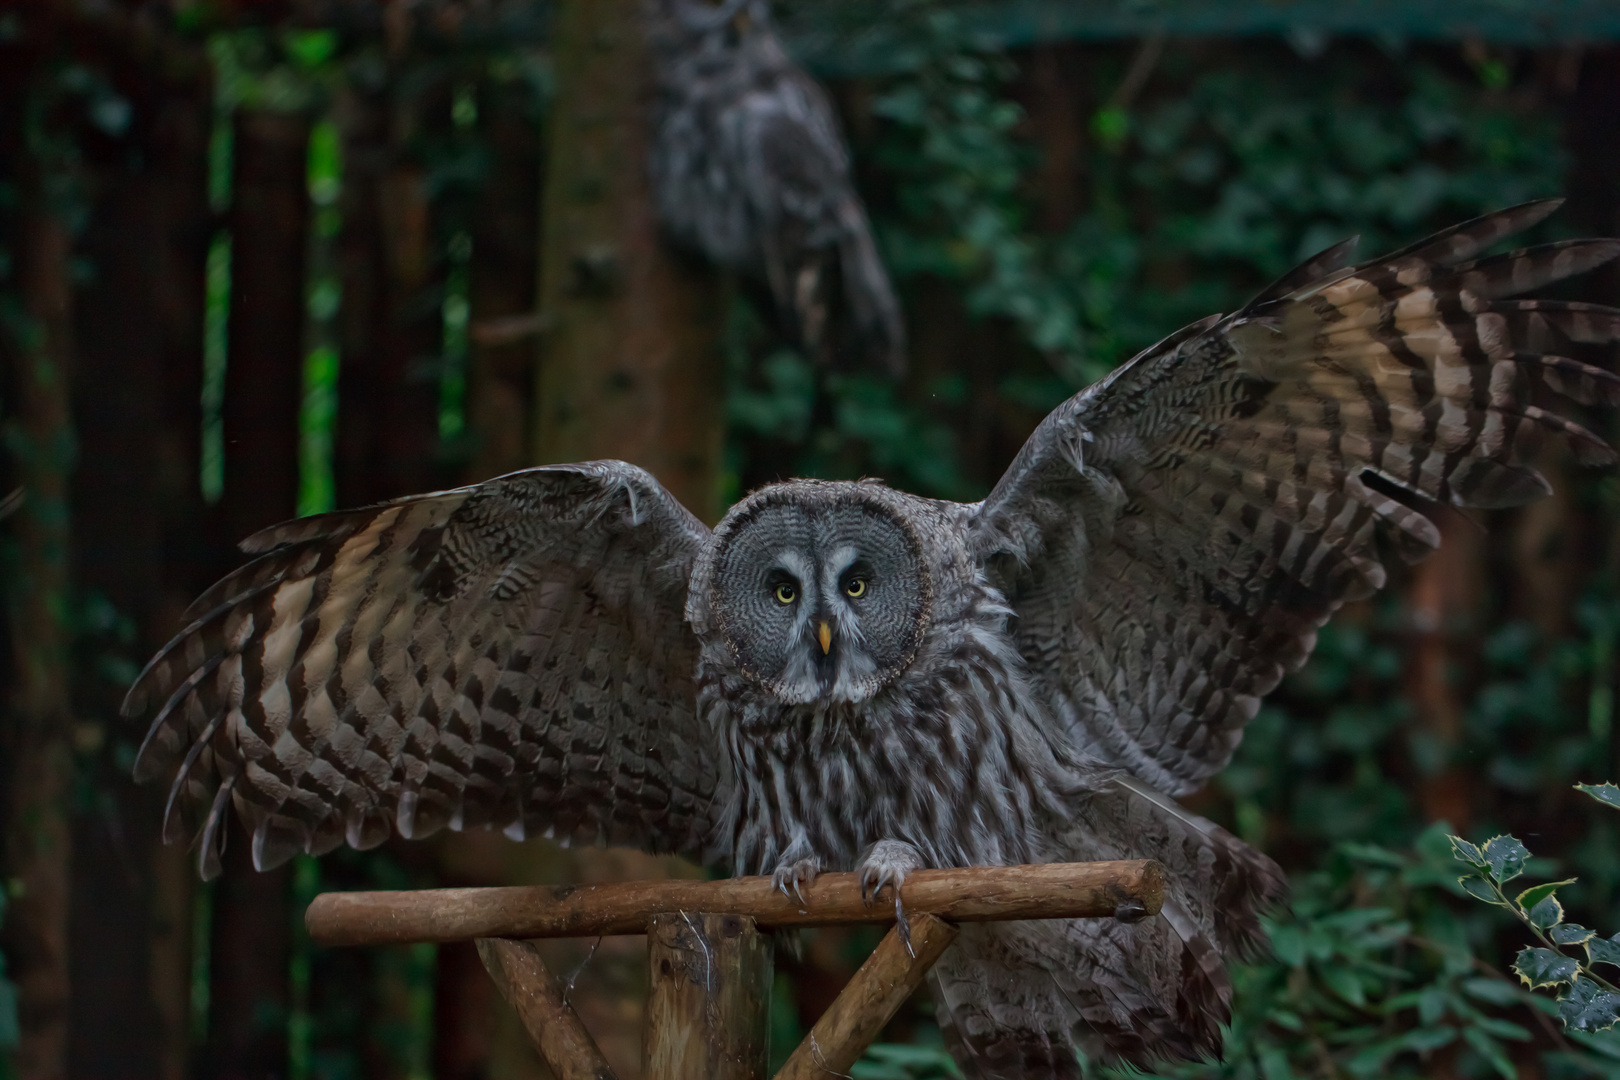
511	655
1263	459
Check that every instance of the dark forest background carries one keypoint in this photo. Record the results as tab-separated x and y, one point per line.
260	259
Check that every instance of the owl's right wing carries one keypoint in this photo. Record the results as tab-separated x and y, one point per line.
510	655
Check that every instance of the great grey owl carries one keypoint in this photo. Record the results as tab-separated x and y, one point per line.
841	675
749	167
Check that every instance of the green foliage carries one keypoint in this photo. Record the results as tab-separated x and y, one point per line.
925	1059
1587	1002
1608	794
1198	196
1373	973
831	424
960	176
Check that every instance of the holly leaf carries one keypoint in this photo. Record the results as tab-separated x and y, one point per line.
1603	950
1586	1006
1535	894
1607	794
1463	851
1570	934
1479	889
1543	967
1546	914
1506	858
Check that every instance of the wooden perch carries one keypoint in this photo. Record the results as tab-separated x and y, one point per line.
564	1045
1130	889
877	991
708	1009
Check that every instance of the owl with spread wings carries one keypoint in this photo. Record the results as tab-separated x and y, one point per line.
842	676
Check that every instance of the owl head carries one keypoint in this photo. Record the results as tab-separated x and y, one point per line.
816	590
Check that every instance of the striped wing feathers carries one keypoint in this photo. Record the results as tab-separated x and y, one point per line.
1172	537
508	655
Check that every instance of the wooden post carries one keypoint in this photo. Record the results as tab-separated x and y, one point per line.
889	976
564	1045
708	1014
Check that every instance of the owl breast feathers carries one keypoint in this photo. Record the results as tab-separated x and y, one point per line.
845	676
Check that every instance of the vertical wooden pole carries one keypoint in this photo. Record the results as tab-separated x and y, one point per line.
708	1013
630	362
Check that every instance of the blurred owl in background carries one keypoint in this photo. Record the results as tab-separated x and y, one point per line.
749	167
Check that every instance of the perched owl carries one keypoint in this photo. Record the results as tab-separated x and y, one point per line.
749	167
844	676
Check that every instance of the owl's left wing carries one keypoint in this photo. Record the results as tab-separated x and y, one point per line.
1171	538
508	655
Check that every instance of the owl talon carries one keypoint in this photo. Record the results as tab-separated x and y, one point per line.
793	878
903	926
886	865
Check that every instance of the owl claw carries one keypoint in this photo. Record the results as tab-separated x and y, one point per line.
796	876
887	864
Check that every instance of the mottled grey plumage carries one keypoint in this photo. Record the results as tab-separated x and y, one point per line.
749	167
844	676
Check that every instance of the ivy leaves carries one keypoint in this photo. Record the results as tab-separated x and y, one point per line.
1587	1002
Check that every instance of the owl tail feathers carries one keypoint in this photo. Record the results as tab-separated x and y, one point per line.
1224	884
1020	1001
875	312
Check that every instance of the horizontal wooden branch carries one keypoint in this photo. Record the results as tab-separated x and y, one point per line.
1128	889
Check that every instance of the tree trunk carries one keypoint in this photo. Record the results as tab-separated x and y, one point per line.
138	325
38	840
501	379
1444	598
251	934
630	364
387	442
1057	113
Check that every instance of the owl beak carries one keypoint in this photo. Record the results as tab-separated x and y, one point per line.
824	635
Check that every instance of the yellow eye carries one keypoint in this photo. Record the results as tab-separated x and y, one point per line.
786	593
855	588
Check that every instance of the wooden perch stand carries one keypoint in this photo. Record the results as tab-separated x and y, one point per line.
711	952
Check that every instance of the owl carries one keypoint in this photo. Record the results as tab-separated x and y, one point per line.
842	676
749	167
